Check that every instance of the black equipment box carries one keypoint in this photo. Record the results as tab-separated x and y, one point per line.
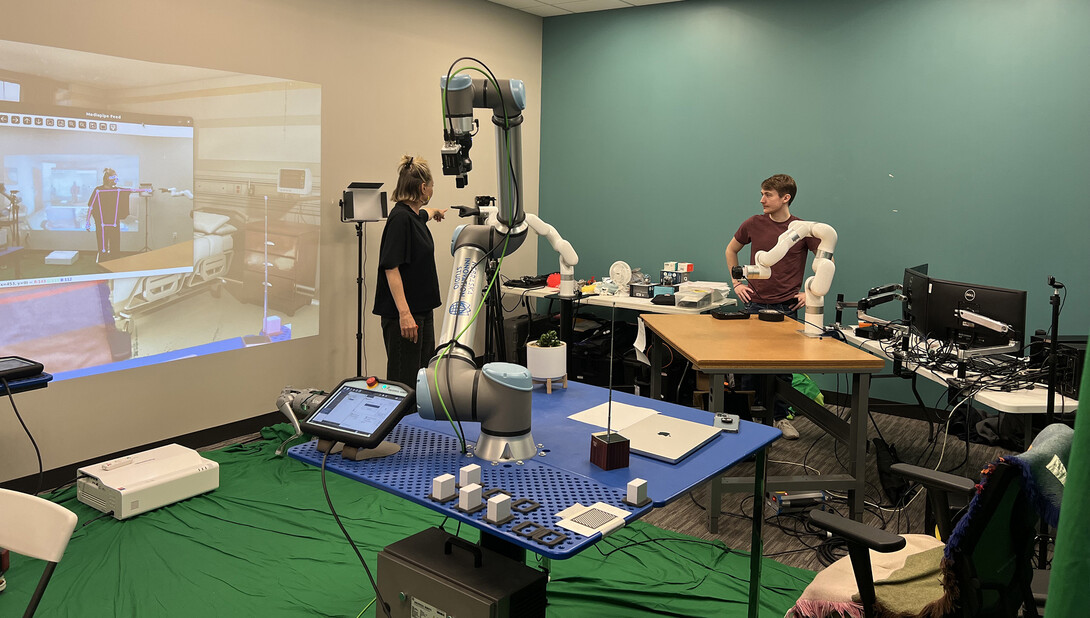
1070	358
433	573
641	290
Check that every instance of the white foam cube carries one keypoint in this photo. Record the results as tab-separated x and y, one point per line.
272	325
442	487
637	491
66	258
499	507
469	496
469	474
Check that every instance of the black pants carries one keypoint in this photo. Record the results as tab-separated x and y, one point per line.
748	382
403	357
108	237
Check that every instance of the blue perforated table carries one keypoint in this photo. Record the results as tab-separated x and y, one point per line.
560	477
426	454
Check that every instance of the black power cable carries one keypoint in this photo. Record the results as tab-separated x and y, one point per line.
37	452
378	595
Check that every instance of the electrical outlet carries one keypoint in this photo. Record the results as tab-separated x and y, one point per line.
173	236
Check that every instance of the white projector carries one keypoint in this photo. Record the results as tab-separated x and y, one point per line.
143	482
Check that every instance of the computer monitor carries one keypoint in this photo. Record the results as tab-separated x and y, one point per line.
931	304
1000	304
914	289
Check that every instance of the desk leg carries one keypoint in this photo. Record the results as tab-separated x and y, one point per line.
715	502
756	544
715	489
767	384
715	386
566	322
656	366
857	443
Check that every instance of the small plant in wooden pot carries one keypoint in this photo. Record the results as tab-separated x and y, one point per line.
547	360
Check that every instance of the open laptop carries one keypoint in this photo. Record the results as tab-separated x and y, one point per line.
667	438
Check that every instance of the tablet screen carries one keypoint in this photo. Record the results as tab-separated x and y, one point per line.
355	413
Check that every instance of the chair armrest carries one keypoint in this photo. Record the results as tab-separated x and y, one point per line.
860	538
940	486
933	479
855	532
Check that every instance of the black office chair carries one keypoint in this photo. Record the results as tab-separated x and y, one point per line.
986	564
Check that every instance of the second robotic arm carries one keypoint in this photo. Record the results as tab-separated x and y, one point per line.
816	286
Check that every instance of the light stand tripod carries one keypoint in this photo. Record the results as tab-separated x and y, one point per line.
1043	537
146	189
362	202
1053	300
359	298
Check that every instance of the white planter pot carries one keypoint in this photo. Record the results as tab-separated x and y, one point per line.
547	363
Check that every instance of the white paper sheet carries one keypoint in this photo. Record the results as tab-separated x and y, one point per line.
641	342
623	415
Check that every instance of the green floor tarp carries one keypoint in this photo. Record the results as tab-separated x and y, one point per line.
265	544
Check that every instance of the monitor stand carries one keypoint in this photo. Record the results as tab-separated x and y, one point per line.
359	454
355	453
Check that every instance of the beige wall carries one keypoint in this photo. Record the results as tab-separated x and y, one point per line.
378	63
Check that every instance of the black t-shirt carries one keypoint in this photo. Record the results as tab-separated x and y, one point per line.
408	246
109	204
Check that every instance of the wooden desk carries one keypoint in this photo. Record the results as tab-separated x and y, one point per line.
718	347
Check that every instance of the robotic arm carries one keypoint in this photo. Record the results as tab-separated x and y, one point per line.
296	403
817	286
568	257
451	386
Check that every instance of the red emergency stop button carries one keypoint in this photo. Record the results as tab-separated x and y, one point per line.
372	381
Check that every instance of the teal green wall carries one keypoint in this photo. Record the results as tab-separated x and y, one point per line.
950	132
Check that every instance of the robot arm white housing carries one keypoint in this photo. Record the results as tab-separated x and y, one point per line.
816	286
451	387
568	257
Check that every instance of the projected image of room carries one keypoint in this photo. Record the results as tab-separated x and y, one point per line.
143	235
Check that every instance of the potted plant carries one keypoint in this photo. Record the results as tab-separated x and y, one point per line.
547	360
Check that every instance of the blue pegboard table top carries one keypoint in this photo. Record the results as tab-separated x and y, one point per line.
566	443
562	476
426	454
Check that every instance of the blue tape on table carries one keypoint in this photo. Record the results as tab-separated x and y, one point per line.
426	454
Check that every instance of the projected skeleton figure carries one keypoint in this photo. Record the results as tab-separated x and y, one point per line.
109	204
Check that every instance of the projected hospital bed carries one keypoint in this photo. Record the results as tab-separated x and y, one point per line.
211	250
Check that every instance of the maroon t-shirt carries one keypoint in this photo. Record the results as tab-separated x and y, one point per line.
762	232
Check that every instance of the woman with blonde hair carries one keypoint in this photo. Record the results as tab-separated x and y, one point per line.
408	285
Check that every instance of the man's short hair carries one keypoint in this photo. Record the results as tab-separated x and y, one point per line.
782	184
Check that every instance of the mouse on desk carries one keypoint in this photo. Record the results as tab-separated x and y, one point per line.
663	299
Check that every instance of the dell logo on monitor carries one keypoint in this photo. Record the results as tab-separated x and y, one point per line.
970	295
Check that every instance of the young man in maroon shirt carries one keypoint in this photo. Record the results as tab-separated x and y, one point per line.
780	292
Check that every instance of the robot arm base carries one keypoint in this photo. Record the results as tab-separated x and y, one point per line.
505	448
498	396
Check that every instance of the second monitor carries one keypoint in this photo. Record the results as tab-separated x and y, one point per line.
931	306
